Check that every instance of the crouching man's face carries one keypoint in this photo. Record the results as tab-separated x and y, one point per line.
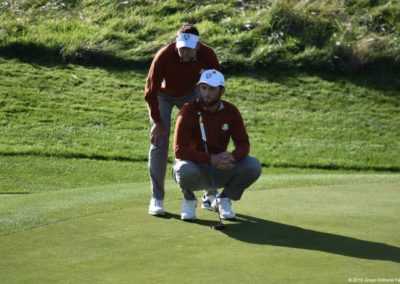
210	96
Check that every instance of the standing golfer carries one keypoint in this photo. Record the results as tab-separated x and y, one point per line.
171	82
202	160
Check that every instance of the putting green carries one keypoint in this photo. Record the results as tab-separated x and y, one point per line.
305	234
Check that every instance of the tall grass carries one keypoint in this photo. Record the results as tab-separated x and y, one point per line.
341	35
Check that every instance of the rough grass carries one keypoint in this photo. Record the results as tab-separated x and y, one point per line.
294	119
340	35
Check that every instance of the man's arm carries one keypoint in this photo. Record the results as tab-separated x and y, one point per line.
239	136
153	84
186	130
152	87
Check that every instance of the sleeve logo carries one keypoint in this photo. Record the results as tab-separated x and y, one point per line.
225	127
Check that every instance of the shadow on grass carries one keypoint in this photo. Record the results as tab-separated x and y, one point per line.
201	222
37	54
258	231
377	78
263	232
383	76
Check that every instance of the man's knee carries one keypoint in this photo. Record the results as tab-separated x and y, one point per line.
162	144
186	172
252	167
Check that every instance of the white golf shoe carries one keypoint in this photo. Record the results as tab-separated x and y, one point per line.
207	201
188	209
156	207
224	206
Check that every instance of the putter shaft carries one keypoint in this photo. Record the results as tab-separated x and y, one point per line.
204	139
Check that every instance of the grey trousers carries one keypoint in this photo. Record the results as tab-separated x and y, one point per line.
191	177
158	155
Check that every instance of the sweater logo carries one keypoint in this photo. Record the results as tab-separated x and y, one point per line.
225	127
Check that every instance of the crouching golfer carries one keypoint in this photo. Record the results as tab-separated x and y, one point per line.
202	160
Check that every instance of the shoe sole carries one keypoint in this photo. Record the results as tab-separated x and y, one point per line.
226	218
156	213
188	219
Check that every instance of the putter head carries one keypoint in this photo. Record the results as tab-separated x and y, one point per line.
218	227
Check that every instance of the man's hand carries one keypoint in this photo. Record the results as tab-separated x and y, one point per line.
156	133
223	161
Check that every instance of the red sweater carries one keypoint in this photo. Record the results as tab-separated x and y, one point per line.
173	77
220	126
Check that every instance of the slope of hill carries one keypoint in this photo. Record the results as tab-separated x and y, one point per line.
51	105
332	35
293	119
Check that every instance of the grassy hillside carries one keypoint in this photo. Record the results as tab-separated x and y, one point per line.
72	75
293	119
341	34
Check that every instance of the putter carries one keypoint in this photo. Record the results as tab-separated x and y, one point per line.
220	225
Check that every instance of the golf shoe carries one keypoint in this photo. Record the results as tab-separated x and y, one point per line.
188	209
156	207
207	201
224	206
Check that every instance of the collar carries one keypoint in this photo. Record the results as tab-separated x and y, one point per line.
221	106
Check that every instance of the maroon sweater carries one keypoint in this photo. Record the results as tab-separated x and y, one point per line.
173	77
220	126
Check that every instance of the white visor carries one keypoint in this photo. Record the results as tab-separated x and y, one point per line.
186	40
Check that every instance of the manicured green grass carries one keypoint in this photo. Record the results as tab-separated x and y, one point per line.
31	174
286	231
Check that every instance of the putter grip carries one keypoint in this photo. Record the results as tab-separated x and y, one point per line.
202	129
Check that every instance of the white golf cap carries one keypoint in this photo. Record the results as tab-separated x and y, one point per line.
212	77
186	40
